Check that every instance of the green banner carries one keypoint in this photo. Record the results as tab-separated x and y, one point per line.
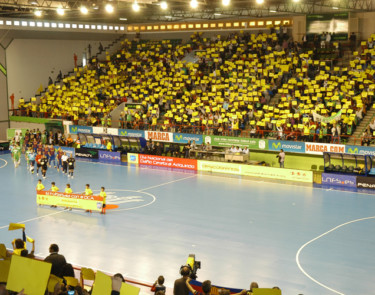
33	120
227	141
11	132
4	70
256	171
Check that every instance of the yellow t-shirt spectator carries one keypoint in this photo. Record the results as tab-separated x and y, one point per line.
68	190
39	187
104	196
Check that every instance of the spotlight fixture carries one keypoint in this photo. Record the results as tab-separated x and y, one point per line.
163	5
38	13
84	10
296	1
259	1
135	6
60	11
109	8
225	2
193	3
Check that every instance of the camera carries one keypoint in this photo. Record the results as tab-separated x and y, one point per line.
194	266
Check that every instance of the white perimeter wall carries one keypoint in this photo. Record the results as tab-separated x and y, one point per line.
31	61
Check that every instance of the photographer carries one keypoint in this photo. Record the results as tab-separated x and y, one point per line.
180	287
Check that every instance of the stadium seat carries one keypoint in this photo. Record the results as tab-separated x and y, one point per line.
87	274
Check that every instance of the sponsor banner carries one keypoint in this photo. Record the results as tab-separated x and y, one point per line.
257	171
317	148
215	290
87	153
184	138
133	158
226	141
287	146
339	179
104	130
170	162
360	150
112	157
69	151
131	133
366	182
69	200
159	136
74	129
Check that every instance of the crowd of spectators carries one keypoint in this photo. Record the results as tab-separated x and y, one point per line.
66	281
227	91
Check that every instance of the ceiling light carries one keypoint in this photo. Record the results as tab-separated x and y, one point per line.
135	6
225	2
273	11
32	2
296	1
60	11
38	13
168	16
259	1
164	5
109	8
193	3
335	7
217	14
84	10
123	18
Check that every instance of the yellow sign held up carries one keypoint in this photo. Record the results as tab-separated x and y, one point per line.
28	274
15	226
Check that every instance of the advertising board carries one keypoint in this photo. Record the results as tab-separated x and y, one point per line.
75	129
227	141
87	153
170	162
131	133
366	182
159	136
360	150
287	146
339	179
317	148
111	157
184	138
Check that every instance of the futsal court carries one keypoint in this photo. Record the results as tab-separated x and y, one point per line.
304	239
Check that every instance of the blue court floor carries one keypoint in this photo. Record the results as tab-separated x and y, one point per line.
303	239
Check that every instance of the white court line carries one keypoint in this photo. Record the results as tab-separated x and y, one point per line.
173	181
318	237
6	163
35	218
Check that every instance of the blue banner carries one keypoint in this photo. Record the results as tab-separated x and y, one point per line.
184	138
74	129
131	133
287	146
360	150
68	150
339	179
197	286
110	157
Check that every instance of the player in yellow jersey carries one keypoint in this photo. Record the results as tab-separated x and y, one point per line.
54	188
104	196
39	186
88	192
68	190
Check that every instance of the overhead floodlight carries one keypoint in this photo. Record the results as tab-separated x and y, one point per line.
32	2
334	7
123	18
84	10
193	3
109	8
163	5
225	2
136	7
273	11
217	14
296	1
38	13
60	11
259	1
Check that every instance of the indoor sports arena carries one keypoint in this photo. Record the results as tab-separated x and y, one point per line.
187	147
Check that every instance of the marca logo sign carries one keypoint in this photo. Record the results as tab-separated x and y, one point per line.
131	133
184	138
159	136
319	148
113	157
339	180
74	129
360	150
287	146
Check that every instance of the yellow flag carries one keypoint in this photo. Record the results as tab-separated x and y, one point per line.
14	226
